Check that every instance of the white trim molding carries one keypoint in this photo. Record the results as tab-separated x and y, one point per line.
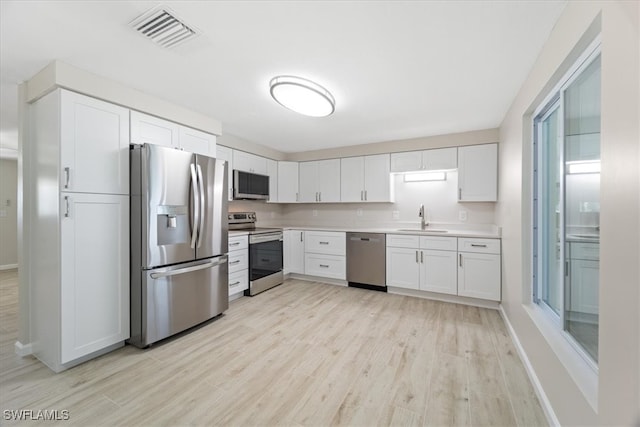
23	350
552	419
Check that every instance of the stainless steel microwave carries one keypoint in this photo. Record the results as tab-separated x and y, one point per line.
247	185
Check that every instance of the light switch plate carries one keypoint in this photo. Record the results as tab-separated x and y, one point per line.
359	212
396	214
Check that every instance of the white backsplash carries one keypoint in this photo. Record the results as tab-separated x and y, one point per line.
438	197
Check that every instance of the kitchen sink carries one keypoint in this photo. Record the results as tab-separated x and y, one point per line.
426	230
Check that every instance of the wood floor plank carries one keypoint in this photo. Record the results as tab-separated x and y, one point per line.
300	354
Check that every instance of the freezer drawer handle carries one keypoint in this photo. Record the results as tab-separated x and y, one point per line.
234	283
169	273
324	266
234	262
234	243
478	246
324	243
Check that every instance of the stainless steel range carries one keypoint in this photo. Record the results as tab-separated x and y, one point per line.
265	252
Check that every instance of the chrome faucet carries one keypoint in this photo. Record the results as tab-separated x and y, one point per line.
423	221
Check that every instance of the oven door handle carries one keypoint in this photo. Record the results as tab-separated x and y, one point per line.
262	239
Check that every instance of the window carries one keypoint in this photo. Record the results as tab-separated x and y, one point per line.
566	204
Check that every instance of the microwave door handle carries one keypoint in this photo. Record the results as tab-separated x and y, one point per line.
202	206
195	215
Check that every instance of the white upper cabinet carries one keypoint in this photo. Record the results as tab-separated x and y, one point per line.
146	129
226	153
197	141
94	146
436	159
365	179
248	162
478	173
272	171
320	181
287	182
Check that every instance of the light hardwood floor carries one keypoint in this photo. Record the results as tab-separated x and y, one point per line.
301	354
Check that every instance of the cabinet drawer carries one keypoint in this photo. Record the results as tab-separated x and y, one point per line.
238	281
439	243
238	260
325	266
322	242
484	246
238	242
402	241
589	251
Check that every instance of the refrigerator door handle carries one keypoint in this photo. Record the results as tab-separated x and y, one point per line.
169	273
201	190
195	216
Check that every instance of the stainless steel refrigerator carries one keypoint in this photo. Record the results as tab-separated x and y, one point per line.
179	241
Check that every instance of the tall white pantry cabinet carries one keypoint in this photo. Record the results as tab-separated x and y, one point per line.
79	259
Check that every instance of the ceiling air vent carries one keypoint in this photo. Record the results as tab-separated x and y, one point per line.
161	25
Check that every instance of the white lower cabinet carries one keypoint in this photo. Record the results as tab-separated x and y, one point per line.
403	268
238	264
584	273
94	273
293	251
479	271
325	254
332	266
437	264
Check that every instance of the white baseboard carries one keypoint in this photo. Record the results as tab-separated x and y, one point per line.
8	266
23	350
542	396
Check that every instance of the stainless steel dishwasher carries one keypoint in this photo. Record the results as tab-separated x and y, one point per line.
366	261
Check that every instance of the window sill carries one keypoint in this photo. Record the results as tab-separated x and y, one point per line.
580	367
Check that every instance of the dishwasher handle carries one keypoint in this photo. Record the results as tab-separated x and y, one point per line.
364	239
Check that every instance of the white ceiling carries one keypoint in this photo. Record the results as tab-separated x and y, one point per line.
397	69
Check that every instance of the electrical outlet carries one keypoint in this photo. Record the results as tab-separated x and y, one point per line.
359	212
396	214
273	215
462	216
314	212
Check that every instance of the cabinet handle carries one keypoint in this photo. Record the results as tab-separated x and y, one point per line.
361	195
316	196
296	197
301	236
459	193
234	262
66	201
324	266
421	257
478	246
66	177
234	244
320	196
324	243
460	260
566	269
234	283
416	256
365	194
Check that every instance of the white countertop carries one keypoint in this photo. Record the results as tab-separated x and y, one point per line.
452	230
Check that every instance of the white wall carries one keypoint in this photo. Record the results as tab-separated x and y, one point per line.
616	400
8	213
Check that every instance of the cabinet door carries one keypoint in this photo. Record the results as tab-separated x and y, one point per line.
377	178
440	158
248	162
328	180
197	141
584	279
226	153
352	179
479	275
478	173
308	191
94	300
94	151
146	129
438	271
406	162
294	251
272	171
288	182
403	268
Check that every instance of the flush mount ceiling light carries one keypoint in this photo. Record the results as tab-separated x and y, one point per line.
302	96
